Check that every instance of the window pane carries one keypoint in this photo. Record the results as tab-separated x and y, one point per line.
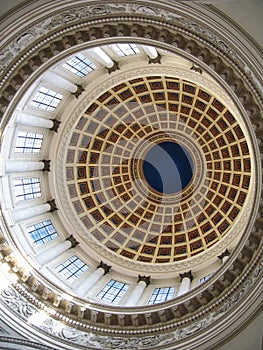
27	188
42	232
203	279
28	142
46	99
113	291
161	294
72	268
79	65
125	49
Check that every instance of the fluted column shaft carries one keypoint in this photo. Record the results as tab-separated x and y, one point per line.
136	293
224	259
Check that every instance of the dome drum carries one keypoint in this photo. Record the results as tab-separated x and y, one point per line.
199	93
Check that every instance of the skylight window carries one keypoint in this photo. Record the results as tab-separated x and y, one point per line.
113	291
160	295
72	268
42	232
46	99
79	65
27	188
125	49
203	279
28	142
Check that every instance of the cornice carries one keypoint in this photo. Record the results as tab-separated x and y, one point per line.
168	333
23	344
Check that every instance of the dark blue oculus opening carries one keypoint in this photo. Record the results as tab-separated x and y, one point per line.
168	167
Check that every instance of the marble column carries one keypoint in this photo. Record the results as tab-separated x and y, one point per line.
18	166
31	120
83	288
29	212
53	252
142	283
150	51
61	82
101	57
186	279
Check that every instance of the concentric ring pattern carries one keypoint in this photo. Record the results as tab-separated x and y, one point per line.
111	197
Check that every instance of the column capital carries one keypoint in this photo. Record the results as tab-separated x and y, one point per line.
46	164
53	205
146	279
105	267
114	67
186	274
155	60
55	126
196	69
73	241
79	91
225	253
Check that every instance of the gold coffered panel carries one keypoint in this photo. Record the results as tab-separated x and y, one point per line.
109	192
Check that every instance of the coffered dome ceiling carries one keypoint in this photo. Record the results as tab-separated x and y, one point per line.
109	189
150	164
